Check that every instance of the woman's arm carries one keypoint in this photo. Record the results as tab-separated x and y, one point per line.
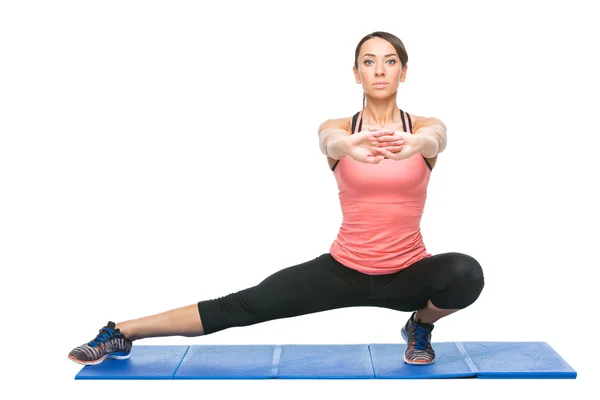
333	137
433	133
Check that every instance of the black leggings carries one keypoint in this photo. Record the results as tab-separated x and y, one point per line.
450	280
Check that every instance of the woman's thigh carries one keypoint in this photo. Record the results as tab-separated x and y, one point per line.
317	285
450	280
314	284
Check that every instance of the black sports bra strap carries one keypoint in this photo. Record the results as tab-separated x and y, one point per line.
402	118
359	125
354	118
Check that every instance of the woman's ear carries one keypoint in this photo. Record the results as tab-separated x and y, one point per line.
356	75
403	73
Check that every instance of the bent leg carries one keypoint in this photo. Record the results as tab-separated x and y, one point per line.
430	313
435	286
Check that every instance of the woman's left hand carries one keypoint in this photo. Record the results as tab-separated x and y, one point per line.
400	145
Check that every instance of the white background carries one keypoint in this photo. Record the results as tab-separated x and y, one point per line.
154	154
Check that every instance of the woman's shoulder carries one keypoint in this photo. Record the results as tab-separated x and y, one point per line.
346	122
416	118
337	123
420	121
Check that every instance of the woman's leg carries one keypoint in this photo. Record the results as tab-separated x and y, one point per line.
435	286
181	321
317	285
430	313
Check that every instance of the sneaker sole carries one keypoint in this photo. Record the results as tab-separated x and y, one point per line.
418	362
98	361
403	331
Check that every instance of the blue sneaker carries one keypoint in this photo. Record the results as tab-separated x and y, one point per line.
417	335
110	343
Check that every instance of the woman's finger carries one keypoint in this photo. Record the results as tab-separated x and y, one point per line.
395	143
394	149
388	139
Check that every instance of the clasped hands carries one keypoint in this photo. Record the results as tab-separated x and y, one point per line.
394	145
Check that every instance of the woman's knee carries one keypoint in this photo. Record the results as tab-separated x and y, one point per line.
465	282
465	267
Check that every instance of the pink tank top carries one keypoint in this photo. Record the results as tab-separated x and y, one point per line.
382	205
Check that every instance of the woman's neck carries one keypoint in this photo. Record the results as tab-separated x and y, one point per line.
381	112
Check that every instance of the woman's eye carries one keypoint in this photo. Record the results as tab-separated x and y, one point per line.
370	61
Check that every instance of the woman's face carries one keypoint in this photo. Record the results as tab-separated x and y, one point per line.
378	62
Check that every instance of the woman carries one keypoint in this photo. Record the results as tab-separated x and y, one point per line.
382	159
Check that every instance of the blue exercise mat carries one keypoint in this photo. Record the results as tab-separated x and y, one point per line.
229	362
145	362
450	362
516	360
499	360
325	362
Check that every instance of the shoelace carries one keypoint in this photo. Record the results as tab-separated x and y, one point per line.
422	335
105	334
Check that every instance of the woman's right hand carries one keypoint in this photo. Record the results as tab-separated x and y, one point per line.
364	145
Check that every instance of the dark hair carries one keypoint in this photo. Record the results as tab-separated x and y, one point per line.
392	39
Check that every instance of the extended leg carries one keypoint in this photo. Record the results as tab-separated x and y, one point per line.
183	321
317	285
